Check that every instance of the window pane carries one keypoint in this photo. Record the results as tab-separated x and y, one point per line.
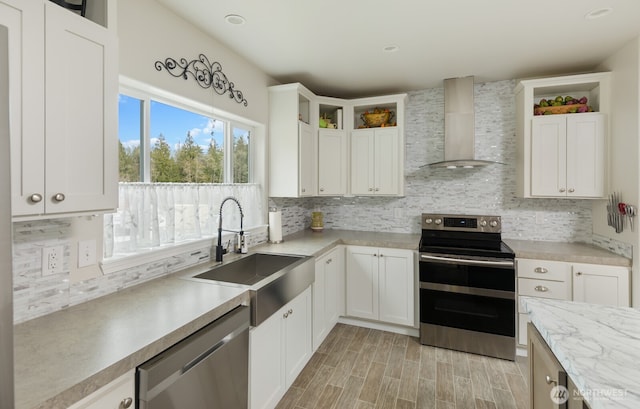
186	147
241	155
129	133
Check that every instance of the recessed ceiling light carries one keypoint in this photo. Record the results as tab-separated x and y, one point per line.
390	48
597	13
234	19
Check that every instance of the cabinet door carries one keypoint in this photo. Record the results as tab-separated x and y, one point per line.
22	47
266	363
362	282
297	336
548	156
396	284
334	294
362	162
81	113
319	286
386	162
600	284
544	372
307	164
585	155
332	162
114	395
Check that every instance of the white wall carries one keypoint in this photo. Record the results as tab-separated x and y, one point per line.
624	148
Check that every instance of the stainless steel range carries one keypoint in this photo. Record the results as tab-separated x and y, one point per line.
467	285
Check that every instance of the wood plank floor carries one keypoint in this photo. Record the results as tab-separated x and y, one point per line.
360	368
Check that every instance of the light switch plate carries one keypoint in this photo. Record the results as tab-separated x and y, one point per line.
86	253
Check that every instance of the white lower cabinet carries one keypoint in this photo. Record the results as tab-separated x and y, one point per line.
591	283
599	284
278	350
118	394
328	294
380	284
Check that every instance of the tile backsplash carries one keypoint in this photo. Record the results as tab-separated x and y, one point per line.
488	190
485	190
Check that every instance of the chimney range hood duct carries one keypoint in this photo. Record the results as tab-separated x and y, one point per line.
459	126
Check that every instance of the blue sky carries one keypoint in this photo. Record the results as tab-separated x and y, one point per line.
173	123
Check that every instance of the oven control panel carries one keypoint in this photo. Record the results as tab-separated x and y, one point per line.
489	224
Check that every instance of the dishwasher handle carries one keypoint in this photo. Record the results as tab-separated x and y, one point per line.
164	369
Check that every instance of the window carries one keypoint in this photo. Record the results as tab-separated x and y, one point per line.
184	146
178	162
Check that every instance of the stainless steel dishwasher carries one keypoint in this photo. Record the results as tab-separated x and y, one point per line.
207	370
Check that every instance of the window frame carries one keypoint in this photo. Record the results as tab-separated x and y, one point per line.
200	109
257	160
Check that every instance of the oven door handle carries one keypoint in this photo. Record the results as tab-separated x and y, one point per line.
458	289
468	262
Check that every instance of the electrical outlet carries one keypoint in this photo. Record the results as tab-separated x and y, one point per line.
86	253
52	262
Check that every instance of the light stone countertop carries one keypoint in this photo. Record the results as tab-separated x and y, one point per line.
568	252
598	346
64	356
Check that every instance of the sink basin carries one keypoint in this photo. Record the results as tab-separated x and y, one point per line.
250	269
289	275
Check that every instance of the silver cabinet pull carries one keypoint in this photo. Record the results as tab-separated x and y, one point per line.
550	380
290	312
322	189
35	198
329	261
540	270
571	190
370	189
541	288
377	189
381	255
126	403
285	315
58	197
562	190
304	190
579	273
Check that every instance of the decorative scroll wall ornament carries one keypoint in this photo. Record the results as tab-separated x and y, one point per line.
207	75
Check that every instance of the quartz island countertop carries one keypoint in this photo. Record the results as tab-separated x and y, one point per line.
598	346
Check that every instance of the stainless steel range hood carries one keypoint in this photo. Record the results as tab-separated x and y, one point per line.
459	126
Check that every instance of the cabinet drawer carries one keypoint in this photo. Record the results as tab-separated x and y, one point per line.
544	288
544	269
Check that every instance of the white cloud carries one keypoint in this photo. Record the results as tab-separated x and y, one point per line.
195	132
130	144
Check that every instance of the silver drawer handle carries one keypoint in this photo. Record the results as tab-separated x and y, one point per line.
550	380
329	261
541	288
579	273
126	403
35	198
571	190
58	197
540	270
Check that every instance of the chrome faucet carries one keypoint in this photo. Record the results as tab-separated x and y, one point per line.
219	249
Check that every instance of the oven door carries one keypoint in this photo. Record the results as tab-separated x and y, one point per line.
475	294
465	308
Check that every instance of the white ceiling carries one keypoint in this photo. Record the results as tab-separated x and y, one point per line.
335	47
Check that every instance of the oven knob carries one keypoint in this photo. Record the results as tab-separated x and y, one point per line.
493	223
438	221
428	220
483	223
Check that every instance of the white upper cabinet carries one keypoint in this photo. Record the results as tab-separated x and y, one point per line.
314	142
64	132
292	141
568	155
563	155
377	152
332	162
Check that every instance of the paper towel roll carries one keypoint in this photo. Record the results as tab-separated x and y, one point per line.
275	226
